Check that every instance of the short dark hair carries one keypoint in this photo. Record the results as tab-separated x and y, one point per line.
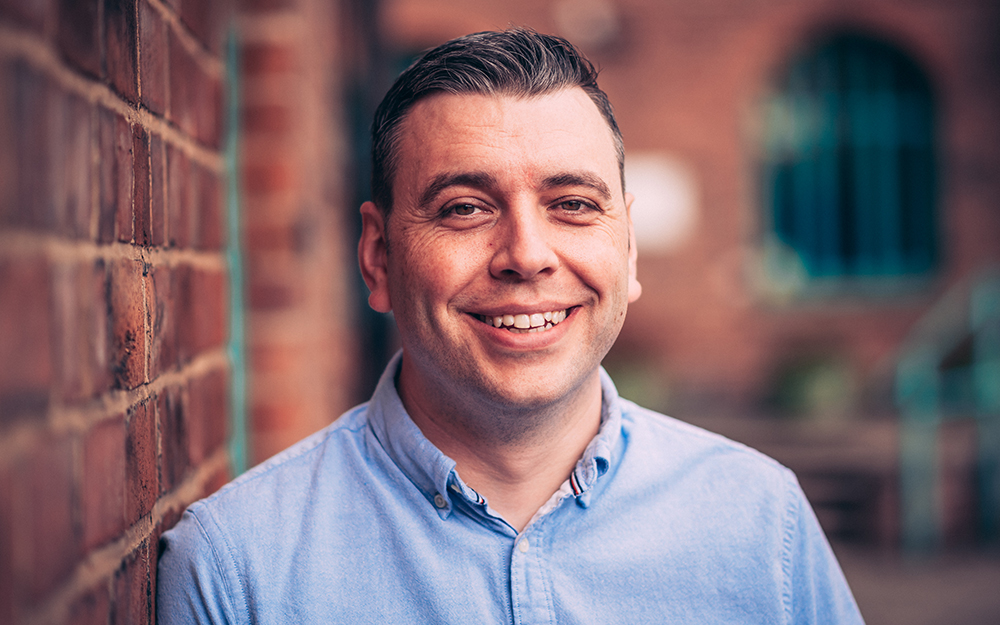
516	62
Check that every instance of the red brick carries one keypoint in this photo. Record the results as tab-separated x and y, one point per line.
30	13
128	340
77	29
205	20
269	177
163	323
25	337
94	608
270	237
30	119
141	483
133	591
180	198
173	438
81	314
153	59
107	175
72	167
195	96
211	230
7	573
266	118
217	480
43	538
203	305
120	47
143	217
158	190
271	296
208	417
103	495
269	58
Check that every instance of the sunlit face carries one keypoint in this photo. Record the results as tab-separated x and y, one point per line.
509	265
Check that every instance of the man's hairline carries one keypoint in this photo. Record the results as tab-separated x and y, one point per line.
394	138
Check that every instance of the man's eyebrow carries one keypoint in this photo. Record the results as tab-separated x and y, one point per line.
476	179
578	179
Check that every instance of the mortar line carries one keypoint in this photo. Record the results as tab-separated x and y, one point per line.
101	564
16	43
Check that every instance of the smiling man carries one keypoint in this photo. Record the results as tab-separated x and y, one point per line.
496	476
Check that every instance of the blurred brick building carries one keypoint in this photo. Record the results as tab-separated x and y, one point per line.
178	190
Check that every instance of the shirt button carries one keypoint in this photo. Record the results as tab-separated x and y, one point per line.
522	545
440	501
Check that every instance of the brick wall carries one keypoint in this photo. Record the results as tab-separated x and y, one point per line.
113	296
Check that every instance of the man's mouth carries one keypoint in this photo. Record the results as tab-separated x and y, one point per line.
535	322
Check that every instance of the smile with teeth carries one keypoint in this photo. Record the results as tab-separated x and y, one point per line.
536	322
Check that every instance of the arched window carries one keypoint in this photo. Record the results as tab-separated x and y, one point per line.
849	175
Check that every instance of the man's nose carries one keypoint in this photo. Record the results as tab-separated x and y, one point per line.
523	245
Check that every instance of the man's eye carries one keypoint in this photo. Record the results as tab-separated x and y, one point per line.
574	205
464	209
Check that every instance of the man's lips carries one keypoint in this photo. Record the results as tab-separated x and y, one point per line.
525	322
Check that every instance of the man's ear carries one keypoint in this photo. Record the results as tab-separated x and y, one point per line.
372	257
634	288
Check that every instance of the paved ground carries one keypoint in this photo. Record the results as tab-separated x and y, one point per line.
961	588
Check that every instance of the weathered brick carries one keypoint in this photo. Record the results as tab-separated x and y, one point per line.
77	34
116	173
43	537
266	118
180	198
274	296
207	414
195	96
269	58
103	495
25	336
128	340
72	167
211	220
93	608
204	19
143	217
29	136
158	190
120	47
133	591
173	438
7	573
202	311
141	483
81	314
153	59
163	321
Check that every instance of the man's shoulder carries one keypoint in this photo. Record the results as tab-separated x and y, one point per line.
669	444
287	479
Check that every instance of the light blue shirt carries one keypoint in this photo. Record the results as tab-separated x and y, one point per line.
368	522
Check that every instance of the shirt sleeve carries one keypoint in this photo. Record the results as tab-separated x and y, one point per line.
816	590
191	583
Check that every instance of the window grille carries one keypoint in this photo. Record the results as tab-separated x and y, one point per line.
849	162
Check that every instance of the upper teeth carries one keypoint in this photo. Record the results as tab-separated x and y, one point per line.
527	322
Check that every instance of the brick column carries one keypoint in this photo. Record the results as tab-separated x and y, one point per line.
113	304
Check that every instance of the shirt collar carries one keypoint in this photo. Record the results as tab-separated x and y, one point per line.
433	472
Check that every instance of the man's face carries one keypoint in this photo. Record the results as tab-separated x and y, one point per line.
509	265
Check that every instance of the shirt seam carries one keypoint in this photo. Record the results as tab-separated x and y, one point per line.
218	565
787	542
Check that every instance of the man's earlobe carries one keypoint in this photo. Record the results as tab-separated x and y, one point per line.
373	257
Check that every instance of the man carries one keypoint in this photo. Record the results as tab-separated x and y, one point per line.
496	476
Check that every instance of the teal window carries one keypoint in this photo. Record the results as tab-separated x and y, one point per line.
849	173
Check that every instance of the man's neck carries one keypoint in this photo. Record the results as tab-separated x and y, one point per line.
516	475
